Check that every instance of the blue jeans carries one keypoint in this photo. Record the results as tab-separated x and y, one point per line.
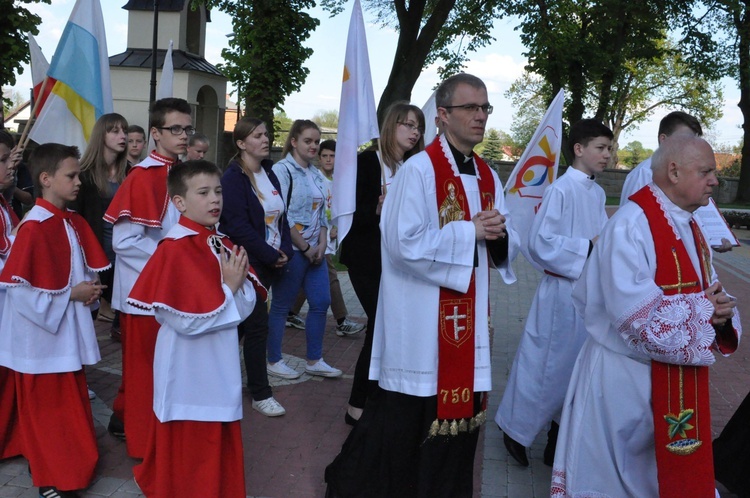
300	274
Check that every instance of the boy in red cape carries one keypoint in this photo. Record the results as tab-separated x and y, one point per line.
200	287
47	333
142	214
9	438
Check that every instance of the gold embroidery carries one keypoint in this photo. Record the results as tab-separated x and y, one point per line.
450	209
680	284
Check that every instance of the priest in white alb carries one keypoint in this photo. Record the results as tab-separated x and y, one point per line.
444	225
636	419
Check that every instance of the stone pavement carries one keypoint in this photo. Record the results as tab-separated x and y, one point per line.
286	456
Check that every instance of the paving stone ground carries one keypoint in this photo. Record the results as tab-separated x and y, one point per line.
286	456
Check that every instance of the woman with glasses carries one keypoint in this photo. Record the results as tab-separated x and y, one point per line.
254	217
303	190
401	136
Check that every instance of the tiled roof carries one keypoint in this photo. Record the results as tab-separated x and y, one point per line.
141	57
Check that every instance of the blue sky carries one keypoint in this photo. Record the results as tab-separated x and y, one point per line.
498	65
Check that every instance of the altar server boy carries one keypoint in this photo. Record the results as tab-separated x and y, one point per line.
9	438
200	287
47	333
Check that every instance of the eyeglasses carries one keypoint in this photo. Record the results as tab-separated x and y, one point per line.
177	130
411	127
472	108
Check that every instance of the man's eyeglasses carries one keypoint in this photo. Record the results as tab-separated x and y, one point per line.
472	108
177	130
412	127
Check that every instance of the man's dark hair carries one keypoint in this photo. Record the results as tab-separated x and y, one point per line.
160	108
327	145
675	119
584	131
182	172
137	129
444	93
47	159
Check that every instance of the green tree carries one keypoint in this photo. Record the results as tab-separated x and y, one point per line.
327	120
641	88
635	154
591	47
281	125
14	46
428	31
12	100
493	149
266	54
734	16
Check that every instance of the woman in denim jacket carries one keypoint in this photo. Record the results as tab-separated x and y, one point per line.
303	190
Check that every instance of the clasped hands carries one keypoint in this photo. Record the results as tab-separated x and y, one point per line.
490	225
723	304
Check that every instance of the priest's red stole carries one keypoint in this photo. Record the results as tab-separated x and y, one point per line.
679	393
457	310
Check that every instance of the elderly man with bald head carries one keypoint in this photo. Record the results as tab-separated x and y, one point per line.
636	418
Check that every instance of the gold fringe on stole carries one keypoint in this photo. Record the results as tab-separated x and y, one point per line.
443	428
454	427
463	426
434	427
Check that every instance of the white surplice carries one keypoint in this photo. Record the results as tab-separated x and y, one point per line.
605	447
418	258
133	244
571	215
639	177
45	332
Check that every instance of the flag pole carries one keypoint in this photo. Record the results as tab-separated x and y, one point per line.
24	140
382	167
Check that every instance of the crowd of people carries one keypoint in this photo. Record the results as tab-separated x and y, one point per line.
613	360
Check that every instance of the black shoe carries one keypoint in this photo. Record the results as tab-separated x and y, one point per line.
549	450
116	427
52	492
516	450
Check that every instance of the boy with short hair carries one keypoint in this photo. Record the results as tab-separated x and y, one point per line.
9	438
142	214
197	378
47	332
198	145
344	326
561	238
136	143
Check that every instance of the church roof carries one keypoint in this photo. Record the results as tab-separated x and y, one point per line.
141	57
164	6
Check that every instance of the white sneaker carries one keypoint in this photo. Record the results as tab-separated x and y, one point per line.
92	394
282	370
349	327
323	369
269	407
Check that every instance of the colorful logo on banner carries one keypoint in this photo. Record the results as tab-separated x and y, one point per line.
538	170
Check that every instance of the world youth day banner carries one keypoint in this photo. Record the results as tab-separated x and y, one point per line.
534	172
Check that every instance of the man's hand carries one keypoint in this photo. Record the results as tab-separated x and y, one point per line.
490	225
725	246
723	304
234	267
87	292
